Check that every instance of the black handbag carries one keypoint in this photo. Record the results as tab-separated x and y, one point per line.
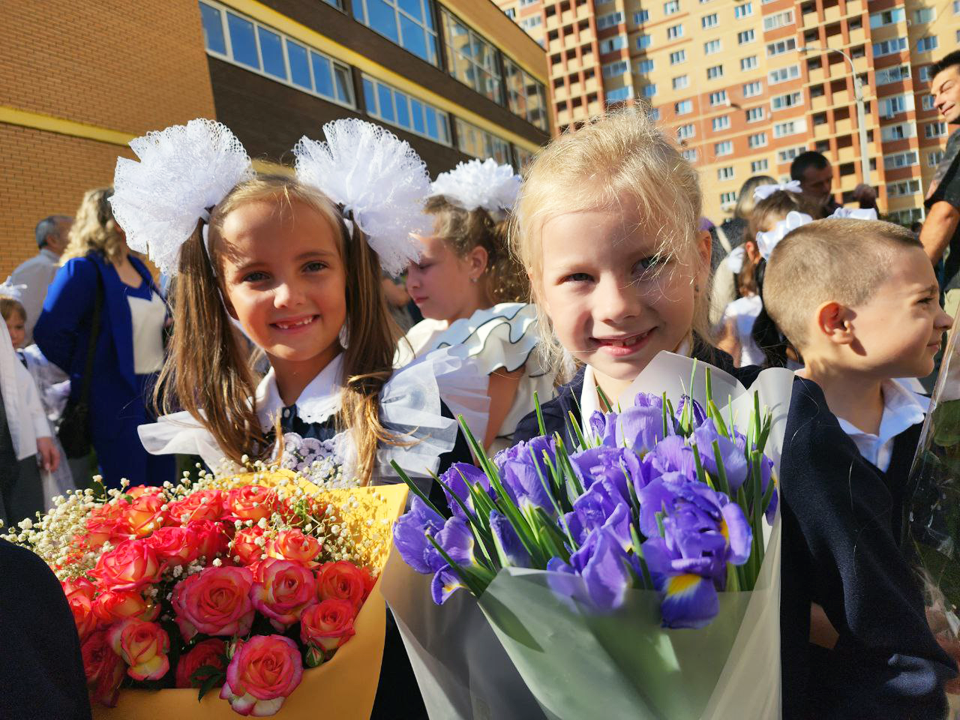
74	430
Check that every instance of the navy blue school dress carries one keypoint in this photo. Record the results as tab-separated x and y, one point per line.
841	534
120	396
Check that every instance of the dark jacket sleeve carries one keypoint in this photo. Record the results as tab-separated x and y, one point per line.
41	670
556	418
68	305
839	549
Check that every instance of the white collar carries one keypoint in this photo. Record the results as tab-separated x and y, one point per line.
902	409
50	255
318	401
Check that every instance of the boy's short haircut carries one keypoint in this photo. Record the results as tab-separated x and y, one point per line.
834	260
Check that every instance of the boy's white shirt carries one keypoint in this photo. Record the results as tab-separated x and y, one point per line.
902	409
26	420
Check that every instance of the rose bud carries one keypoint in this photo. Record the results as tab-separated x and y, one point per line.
143	646
282	590
103	667
294	545
202	505
245	545
264	671
129	566
327	625
215	601
207	653
251	502
144	515
342	580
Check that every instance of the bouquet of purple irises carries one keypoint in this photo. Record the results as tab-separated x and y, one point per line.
618	572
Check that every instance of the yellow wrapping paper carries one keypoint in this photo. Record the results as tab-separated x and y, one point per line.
344	687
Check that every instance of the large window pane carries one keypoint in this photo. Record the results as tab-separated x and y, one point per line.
322	75
271	49
386	102
299	65
370	97
412	8
432	123
403	111
213	29
414	38
344	84
444	127
416	110
472	60
243	41
382	18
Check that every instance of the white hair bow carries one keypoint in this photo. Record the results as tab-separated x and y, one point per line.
10	290
767	241
762	192
735	259
479	183
854	214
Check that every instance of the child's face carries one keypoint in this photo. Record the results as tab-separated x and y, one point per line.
613	305
441	283
898	331
285	280
16	325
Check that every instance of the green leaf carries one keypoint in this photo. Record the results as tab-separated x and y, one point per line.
414	489
536	404
210	683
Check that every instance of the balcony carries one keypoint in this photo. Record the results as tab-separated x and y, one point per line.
844	127
819	104
817	76
832	14
591	85
561	93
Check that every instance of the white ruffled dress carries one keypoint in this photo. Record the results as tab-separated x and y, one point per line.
503	337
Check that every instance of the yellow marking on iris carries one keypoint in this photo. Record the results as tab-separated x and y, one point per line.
681	584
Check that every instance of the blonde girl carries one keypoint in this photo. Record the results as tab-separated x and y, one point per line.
607	228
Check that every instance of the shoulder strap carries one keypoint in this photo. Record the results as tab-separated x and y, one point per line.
94	335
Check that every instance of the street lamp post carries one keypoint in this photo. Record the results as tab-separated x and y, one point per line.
861	113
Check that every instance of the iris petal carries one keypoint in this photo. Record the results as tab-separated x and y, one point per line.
689	601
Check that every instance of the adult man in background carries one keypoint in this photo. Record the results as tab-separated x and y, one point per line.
940	232
37	273
813	171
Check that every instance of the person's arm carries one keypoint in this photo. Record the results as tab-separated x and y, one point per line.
69	302
47	452
502	391
728	341
938	229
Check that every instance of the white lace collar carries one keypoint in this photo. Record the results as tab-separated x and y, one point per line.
318	401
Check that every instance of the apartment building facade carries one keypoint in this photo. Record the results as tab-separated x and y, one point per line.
746	85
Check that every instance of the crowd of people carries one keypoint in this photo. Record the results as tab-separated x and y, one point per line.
281	317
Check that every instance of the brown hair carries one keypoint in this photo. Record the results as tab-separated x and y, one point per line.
463	230
9	306
215	381
776	207
839	260
96	229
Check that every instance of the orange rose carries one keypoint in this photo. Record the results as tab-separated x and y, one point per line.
282	590
175	545
144	515
130	566
262	673
143	646
294	545
342	580
209	652
103	667
251	502
245	548
215	601
101	525
80	598
140	490
328	625
212	540
113	605
202	505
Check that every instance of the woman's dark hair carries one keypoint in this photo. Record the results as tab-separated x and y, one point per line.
766	334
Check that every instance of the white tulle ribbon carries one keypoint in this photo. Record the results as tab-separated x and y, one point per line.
183	172
8	289
767	241
762	192
735	260
479	184
854	214
379	180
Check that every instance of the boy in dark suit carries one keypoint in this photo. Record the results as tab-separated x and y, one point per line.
860	301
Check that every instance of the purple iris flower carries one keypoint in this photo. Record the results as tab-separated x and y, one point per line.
605	568
445	583
766	474
609	464
520	476
734	461
603	426
641	427
409	534
458	542
600	506
457	478
673	455
698	413
508	542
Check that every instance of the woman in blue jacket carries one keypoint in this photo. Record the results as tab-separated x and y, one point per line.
128	353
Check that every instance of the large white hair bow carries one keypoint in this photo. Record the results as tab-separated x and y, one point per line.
735	259
762	192
8	289
854	214
767	241
183	172
379	180
477	183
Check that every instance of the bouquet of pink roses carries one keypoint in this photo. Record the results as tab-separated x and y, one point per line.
233	583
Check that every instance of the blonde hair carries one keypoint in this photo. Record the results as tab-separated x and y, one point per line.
618	161
9	306
215	382
839	260
503	279
95	228
775	207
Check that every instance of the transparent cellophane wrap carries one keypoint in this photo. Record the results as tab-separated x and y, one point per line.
560	659
343	687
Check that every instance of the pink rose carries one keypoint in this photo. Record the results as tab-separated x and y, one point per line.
202	505
103	668
263	672
245	548
343	580
129	566
212	539
294	545
328	625
215	601
175	545
251	502
80	598
143	646
144	515
282	590
209	652
113	605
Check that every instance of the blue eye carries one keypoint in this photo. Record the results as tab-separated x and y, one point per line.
254	277
648	263
578	277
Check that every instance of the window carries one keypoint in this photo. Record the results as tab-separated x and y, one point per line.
616	68
907	187
685	132
748	63
649	90
759	166
613	44
609	20
956	7
471	59
900	160
893	74
654	114
781	46
408	23
790	127
669	8
645	67
728	198
725	173
525	3
789	100
619	94
791	72
897	132
934	158
718	98
481	144
755	114
752	89
674	31
714	72
526	96
683	107
887	17
510	13
785	156
679	83
742	11
747	36
641	17
689	155
397	108
678	57
926	73
267	52
531	22
924	15
772	22
644	41
935	129
721	123
889	47
927	102
723	148
927	44
709	21
895	104
714	46
757	140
